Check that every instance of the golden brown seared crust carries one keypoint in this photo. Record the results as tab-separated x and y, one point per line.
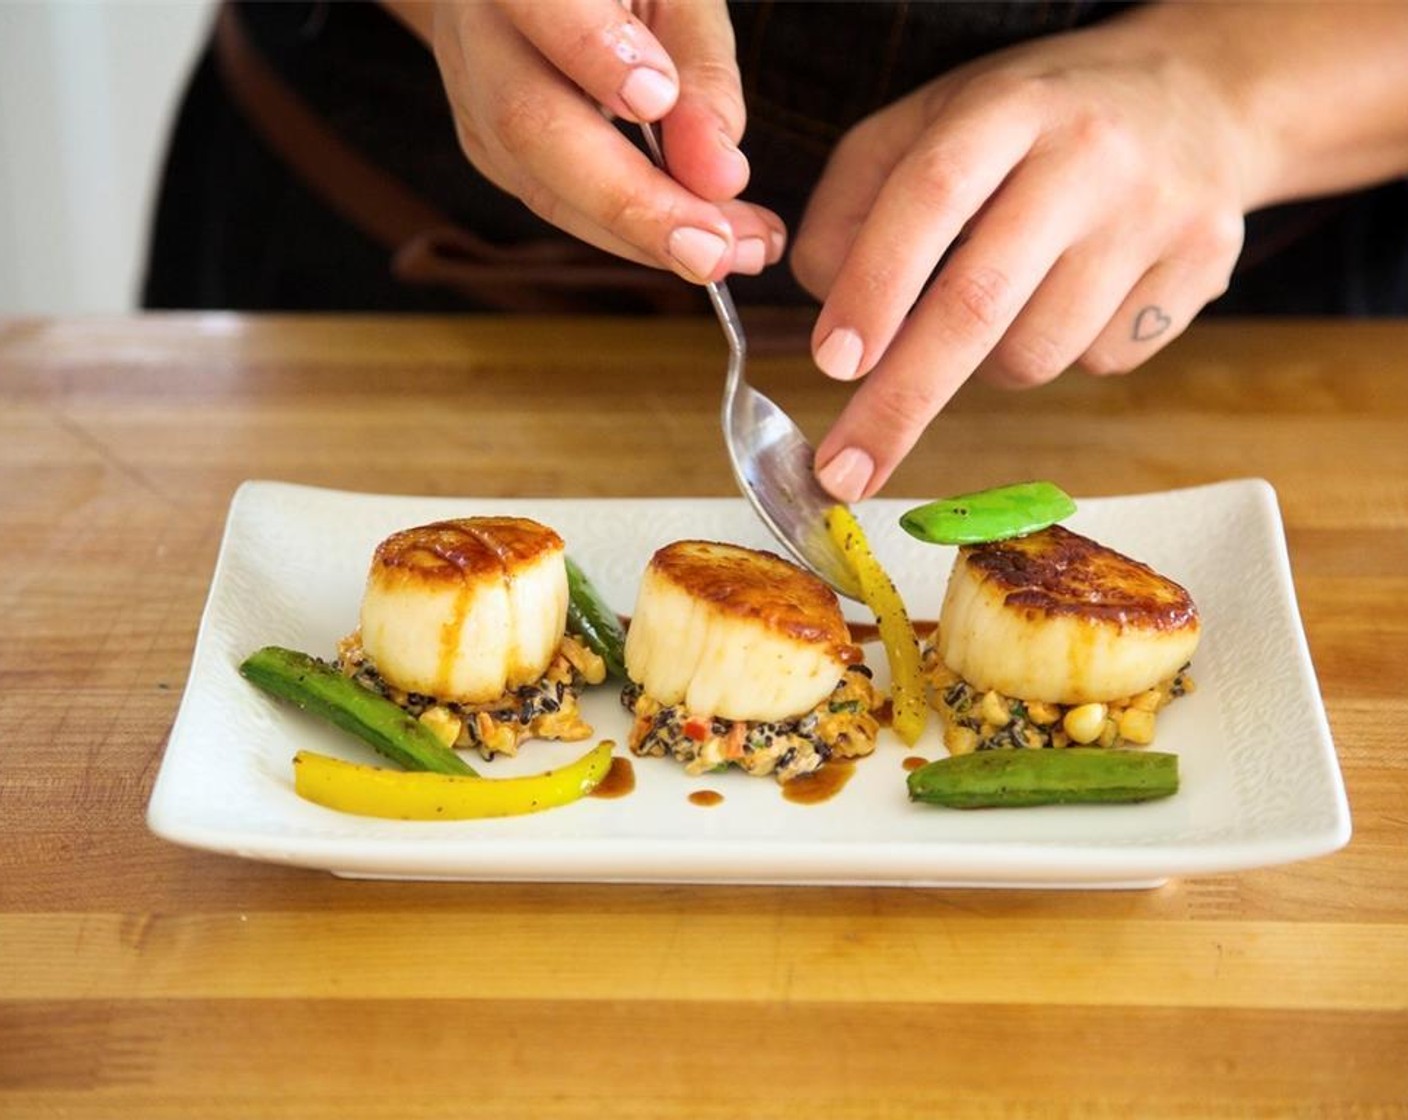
1059	572
748	583
464	548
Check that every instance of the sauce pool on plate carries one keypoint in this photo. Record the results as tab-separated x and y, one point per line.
619	781
822	785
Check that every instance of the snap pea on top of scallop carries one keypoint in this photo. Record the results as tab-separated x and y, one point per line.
989	515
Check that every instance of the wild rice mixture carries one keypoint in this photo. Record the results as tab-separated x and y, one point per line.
982	721
841	726
546	709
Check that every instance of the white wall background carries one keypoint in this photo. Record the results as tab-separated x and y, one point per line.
87	89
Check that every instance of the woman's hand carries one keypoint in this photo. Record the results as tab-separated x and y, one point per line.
527	83
1081	198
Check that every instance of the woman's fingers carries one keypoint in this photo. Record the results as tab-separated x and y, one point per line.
527	126
759	234
604	49
1158	309
921	210
702	133
1067	313
1093	308
963	315
682	67
1194	268
1064	202
845	194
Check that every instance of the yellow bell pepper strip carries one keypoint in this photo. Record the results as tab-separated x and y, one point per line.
908	698
371	791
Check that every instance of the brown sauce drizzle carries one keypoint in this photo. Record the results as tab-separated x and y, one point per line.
821	785
450	634
885	713
706	798
914	762
619	781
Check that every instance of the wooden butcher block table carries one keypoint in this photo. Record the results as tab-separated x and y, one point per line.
145	978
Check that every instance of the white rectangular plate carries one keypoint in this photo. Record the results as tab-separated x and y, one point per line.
1260	780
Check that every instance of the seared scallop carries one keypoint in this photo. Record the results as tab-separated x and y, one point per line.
1056	617
465	610
735	633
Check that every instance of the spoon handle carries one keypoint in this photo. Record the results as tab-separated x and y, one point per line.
718	291
727	314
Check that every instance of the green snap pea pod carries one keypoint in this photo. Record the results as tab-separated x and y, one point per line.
989	515
318	688
1015	778
596	623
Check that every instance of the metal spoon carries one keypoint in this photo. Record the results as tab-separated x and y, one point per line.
771	459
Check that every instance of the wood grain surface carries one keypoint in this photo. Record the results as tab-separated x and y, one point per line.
142	979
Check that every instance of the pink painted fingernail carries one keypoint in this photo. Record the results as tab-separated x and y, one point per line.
749	255
847	474
839	354
730	148
648	93
697	251
777	242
